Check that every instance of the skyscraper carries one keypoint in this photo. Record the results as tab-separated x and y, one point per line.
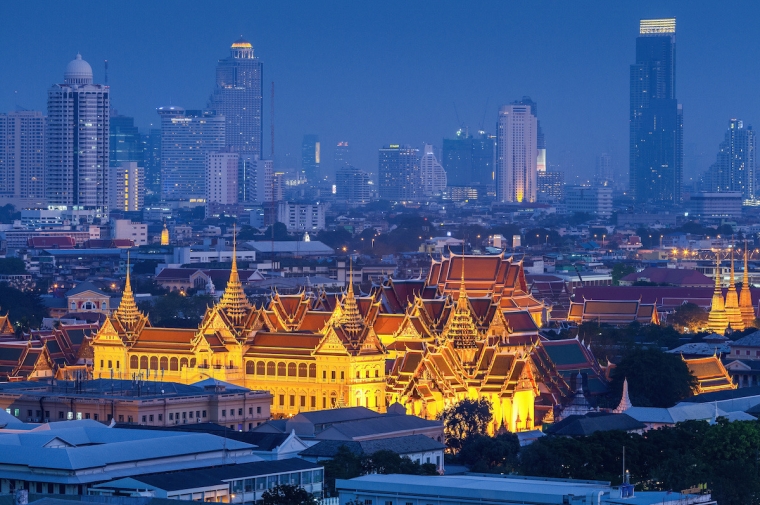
352	185
151	142
656	117
310	159
342	155
221	178
127	187
258	181
603	175
734	169
77	140
517	154
469	161
432	173
398	173
22	154
124	140
186	137
238	97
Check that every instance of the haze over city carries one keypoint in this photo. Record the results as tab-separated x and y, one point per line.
399	72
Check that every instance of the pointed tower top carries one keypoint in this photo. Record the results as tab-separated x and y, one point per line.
462	289
625	400
127	313
351	318
234	302
733	281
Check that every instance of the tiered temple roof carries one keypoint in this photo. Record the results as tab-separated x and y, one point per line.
710	373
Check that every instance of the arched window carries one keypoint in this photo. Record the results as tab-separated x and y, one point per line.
250	367
73	306
143	362
183	363
281	369
192	362
164	363
154	363
133	362
377	372
367	373
302	370
103	306
261	368
88	306
270	368
291	369
173	364
313	371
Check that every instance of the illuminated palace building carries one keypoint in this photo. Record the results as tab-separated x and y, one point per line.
469	330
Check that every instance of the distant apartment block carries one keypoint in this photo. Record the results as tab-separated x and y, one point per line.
299	217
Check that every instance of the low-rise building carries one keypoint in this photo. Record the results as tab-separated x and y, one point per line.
592	200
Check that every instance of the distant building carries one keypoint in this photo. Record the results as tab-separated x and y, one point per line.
152	160
77	139
127	187
300	217
186	136
432	173
469	161
342	155
604	175
398	173
22	155
656	117
124	140
596	200
238	98
258	181
734	169
517	154
550	186
311	158
352	185
715	205
126	229
222	178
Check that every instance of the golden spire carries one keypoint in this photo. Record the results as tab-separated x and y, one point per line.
234	302
717	321
351	319
733	314
745	297
461	328
127	313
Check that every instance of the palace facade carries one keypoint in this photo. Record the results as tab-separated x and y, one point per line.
470	330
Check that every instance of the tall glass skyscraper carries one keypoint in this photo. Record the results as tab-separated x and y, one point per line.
656	117
237	96
468	161
125	141
398	174
22	154
734	169
311	157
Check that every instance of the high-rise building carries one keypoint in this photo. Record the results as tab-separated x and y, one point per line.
238	97
310	159
125	141
734	169
469	161
342	155
603	175
398	173
127	187
222	178
77	140
656	117
186	137
517	154
258	181
550	186
151	142
22	154
352	185
432	173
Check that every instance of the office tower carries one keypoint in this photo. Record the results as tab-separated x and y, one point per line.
77	140
342	155
352	185
222	178
238	97
186	137
127	187
151	142
734	169
258	181
550	186
517	154
432	173
310	159
656	117
603	175
22	154
399	173
593	200
124	140
468	161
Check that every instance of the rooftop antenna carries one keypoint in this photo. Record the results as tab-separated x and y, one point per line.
485	111
106	77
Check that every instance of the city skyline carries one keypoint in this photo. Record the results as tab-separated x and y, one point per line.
356	103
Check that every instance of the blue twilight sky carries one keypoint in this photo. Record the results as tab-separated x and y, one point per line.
380	72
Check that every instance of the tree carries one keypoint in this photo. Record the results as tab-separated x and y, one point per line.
12	266
344	465
174	310
497	454
688	315
287	494
655	378
466	418
620	270
25	310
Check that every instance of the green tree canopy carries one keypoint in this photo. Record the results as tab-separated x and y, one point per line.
655	378
12	266
287	494
689	315
464	419
497	454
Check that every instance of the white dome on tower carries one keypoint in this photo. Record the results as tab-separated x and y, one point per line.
78	71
